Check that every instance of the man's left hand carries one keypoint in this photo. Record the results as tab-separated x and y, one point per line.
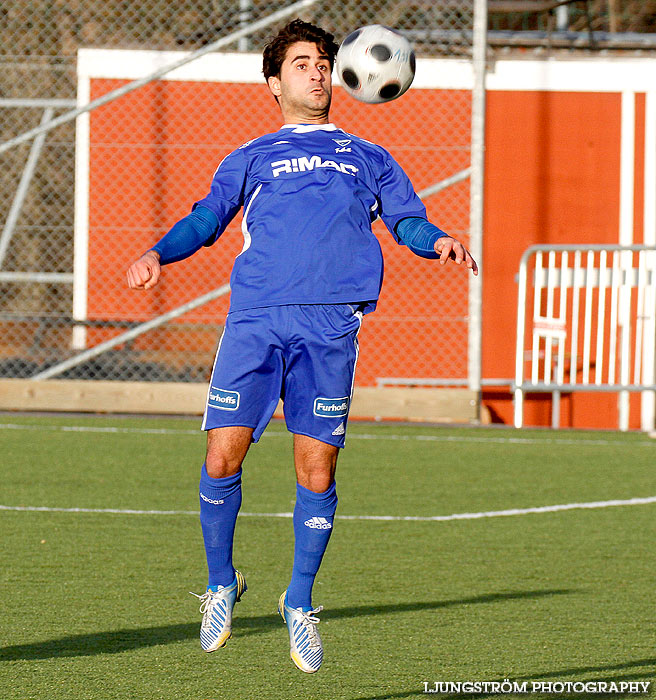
447	247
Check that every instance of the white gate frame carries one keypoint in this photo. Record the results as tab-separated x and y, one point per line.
590	285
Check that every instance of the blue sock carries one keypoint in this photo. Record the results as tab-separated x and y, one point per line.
220	500
313	524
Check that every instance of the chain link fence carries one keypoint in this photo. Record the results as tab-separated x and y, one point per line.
152	153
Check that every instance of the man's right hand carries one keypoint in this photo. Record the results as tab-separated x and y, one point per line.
144	273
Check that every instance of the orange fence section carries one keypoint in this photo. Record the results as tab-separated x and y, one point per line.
154	153
552	176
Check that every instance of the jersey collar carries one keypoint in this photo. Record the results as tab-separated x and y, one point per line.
306	128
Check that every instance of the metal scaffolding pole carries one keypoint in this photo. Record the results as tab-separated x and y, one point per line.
476	190
131	334
136	84
23	186
447	182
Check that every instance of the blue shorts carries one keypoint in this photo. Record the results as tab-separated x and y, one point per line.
304	354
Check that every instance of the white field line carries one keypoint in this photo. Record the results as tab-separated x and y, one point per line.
501	440
413	518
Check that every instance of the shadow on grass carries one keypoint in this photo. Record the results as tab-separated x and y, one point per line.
117	641
579	673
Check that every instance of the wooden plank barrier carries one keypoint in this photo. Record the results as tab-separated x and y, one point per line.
433	405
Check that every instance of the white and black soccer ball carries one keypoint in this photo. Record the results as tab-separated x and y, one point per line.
376	64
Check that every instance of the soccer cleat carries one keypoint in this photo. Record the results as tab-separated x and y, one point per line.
216	606
306	650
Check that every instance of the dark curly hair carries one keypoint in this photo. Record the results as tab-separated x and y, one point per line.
297	30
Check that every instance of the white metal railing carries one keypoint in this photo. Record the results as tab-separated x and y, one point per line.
586	321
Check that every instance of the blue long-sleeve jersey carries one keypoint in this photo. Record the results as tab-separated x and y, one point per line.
310	194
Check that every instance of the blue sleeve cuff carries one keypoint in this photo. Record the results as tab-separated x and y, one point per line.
190	234
420	236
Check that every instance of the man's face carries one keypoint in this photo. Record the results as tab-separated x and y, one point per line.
304	87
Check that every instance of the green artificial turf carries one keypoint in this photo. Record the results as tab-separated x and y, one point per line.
95	605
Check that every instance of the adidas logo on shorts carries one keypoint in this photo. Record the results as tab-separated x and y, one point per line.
317	523
339	430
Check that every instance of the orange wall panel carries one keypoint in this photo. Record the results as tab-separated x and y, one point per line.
153	153
552	176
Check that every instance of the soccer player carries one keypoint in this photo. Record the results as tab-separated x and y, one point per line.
310	268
